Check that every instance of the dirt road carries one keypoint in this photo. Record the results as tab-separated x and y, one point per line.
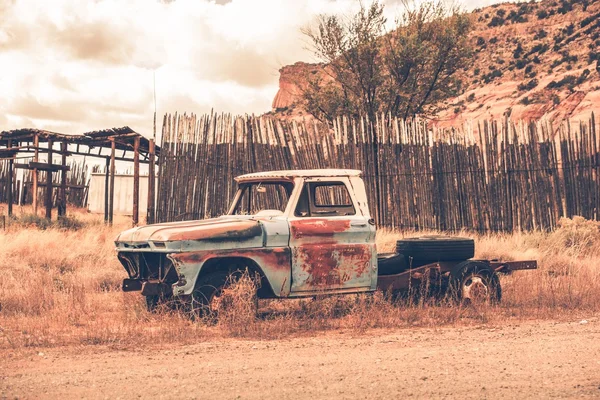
528	360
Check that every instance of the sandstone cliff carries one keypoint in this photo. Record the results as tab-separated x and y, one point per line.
531	60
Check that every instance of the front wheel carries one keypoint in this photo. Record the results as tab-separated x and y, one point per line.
157	303
475	283
208	298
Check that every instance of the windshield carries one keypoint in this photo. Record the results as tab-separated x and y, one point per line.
254	197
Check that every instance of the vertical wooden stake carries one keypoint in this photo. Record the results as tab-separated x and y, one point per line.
36	143
10	182
62	211
111	199
136	181
49	183
151	181
106	179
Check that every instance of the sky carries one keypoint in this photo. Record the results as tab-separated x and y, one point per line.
74	66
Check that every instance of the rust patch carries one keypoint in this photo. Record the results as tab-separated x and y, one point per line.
275	258
220	232
318	227
328	266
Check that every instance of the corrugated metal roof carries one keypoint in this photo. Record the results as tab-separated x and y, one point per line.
299	173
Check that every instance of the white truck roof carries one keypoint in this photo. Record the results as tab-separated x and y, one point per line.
298	173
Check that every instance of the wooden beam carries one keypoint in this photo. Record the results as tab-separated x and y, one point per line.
106	179
136	181
49	166
36	143
111	199
49	183
151	183
62	209
10	182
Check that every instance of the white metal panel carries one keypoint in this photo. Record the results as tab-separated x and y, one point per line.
123	204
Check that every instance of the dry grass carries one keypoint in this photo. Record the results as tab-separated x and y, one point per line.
62	287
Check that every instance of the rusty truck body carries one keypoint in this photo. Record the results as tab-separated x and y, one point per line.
303	233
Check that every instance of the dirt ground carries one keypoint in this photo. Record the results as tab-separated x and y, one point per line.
526	360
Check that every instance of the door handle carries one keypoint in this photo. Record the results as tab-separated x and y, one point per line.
359	224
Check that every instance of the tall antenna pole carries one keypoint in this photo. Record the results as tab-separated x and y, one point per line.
150	216
154	131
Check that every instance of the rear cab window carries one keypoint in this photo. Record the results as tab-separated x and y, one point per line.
321	199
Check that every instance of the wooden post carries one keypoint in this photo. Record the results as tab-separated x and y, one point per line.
136	181
62	210
111	199
10	182
106	179
151	181
49	183
36	143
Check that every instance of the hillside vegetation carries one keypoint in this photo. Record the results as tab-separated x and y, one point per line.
529	60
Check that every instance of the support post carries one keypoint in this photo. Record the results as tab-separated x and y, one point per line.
111	199
151	182
10	182
136	181
49	183
34	188
106	179
62	210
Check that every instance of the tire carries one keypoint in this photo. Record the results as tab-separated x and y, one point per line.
474	283
436	248
208	289
158	303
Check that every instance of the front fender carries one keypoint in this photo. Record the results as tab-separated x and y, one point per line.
274	262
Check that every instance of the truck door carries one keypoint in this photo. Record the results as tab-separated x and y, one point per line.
332	242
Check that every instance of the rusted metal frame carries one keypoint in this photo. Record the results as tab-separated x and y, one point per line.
506	267
49	183
62	209
10	182
136	182
111	199
414	276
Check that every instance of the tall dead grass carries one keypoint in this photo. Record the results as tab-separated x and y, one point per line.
62	287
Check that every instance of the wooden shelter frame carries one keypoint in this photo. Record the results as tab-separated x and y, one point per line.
135	148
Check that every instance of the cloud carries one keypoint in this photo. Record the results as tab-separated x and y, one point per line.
79	65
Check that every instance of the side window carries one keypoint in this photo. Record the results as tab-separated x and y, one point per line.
325	199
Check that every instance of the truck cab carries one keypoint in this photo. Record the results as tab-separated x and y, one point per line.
303	232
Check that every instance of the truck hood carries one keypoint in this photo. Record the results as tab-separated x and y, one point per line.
215	229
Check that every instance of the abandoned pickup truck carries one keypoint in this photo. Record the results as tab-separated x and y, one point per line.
304	233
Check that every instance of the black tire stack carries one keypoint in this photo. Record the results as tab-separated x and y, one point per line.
436	248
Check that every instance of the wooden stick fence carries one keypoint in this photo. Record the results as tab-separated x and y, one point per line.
486	176
77	185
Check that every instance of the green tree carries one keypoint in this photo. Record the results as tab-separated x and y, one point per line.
351	51
405	72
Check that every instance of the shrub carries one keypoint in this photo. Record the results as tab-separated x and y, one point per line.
555	99
565	7
566	80
542	14
539	48
471	97
493	40
518	51
521	63
528	86
492	75
541	34
496	21
524	100
480	41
